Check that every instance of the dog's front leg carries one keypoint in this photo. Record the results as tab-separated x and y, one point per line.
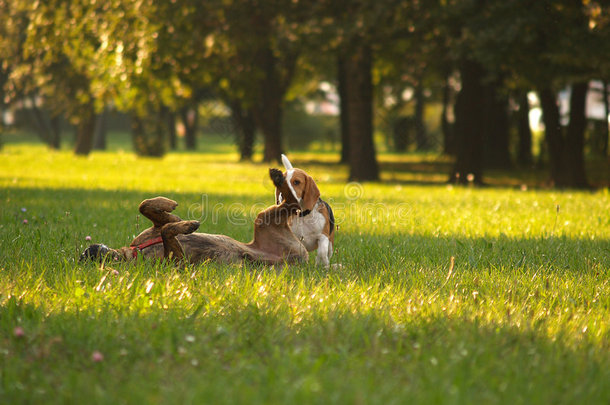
323	255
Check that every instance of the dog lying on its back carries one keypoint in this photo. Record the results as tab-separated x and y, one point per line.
172	238
315	224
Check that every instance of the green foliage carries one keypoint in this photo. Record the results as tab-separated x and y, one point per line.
528	43
302	129
520	318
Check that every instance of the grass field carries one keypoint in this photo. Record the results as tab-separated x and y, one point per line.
522	317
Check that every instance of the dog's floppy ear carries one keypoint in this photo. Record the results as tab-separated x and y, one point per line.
311	194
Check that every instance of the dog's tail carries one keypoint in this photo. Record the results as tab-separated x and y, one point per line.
286	162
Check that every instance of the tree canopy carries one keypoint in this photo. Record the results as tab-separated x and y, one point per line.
152	58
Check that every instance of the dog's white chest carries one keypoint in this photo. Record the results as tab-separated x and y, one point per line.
309	228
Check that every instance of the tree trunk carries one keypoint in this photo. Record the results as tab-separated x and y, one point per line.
171	130
421	138
55	125
85	130
101	130
553	136
245	130
190	119
269	109
446	127
270	122
359	107
496	130
606	129
44	131
524	154
400	131
344	119
148	133
575	137
469	127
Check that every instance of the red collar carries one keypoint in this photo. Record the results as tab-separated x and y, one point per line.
136	248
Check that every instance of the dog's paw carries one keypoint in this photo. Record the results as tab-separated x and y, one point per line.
166	204
276	176
158	204
191	226
179	228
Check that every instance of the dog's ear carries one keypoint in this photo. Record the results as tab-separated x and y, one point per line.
286	162
277	177
311	194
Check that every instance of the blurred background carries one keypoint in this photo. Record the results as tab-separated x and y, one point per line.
478	85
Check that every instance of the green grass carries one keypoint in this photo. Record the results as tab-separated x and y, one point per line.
523	317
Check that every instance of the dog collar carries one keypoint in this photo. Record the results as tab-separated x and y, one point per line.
137	248
307	212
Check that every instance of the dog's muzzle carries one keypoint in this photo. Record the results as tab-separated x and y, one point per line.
97	252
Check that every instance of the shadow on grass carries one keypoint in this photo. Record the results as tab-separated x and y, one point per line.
434	170
237	352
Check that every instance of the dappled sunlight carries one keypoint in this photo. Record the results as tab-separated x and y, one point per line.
429	284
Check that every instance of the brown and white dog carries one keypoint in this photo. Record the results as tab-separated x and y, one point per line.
315	224
171	238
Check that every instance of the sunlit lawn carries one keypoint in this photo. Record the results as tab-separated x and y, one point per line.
522	317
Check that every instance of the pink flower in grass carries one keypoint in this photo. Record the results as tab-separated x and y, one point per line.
87	238
97	356
25	221
18	332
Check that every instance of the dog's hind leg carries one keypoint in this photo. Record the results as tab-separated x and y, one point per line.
158	210
172	249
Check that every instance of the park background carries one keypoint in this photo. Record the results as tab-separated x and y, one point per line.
485	84
463	145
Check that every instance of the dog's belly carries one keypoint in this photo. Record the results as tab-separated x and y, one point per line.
199	247
308	229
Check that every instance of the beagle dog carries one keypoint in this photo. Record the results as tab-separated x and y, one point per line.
315	223
171	238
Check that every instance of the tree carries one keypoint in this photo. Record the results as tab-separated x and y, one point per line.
496	120
469	128
544	45
243	120
343	117
524	150
253	51
55	58
354	33
359	111
16	82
